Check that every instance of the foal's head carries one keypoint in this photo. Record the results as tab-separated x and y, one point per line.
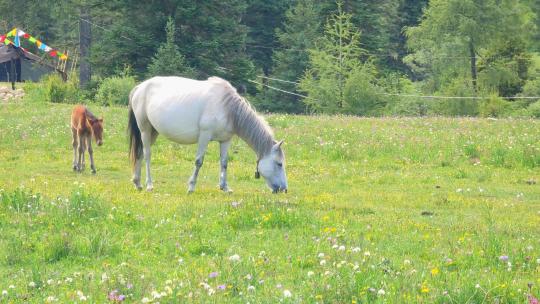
97	130
272	168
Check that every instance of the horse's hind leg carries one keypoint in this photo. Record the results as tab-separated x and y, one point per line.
75	146
81	148
148	137
204	139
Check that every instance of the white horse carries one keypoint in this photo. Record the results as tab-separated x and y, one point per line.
189	111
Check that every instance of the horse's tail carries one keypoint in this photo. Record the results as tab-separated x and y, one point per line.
135	141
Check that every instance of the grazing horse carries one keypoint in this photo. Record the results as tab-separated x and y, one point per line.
84	125
190	111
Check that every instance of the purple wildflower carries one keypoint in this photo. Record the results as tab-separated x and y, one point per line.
213	274
221	287
503	258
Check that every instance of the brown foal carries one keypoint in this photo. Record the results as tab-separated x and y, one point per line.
84	125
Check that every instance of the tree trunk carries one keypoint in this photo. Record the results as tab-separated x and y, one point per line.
85	71
474	76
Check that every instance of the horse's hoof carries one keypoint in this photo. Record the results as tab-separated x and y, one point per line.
75	168
227	190
189	191
149	188
139	188
93	171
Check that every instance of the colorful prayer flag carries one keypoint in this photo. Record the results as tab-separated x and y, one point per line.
2	38
53	53
32	39
26	36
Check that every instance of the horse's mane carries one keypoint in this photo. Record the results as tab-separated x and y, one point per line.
89	115
247	124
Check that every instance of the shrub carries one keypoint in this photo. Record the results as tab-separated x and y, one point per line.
494	106
115	90
52	88
59	91
534	109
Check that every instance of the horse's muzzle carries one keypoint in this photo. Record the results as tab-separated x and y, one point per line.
277	189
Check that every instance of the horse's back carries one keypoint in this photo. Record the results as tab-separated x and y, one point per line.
179	107
78	116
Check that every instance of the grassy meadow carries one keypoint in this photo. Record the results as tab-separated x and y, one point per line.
379	210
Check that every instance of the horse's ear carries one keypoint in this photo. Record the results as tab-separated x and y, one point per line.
277	145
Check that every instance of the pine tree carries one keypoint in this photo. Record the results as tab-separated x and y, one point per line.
301	29
168	61
337	80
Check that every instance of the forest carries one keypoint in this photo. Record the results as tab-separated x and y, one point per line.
357	57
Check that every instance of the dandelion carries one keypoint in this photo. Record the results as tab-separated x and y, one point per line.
435	271
11	286
356	249
381	292
477	286
320	255
32	284
251	288
287	293
341	248
424	289
248	276
310	273
322	262
234	258
407	262
367	253
4	293
155	294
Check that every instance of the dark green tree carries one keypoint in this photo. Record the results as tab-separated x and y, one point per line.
168	61
301	29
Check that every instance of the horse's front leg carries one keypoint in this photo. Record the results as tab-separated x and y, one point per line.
204	139
91	154
223	155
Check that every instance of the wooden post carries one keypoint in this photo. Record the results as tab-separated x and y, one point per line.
12	75
85	71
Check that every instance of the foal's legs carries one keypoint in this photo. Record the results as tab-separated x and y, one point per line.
91	154
82	140
74	143
223	155
204	139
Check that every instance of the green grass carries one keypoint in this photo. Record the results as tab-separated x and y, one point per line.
420	208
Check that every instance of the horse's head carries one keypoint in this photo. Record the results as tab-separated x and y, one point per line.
272	167
97	129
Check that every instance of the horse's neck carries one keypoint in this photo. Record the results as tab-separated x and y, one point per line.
253	130
89	115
